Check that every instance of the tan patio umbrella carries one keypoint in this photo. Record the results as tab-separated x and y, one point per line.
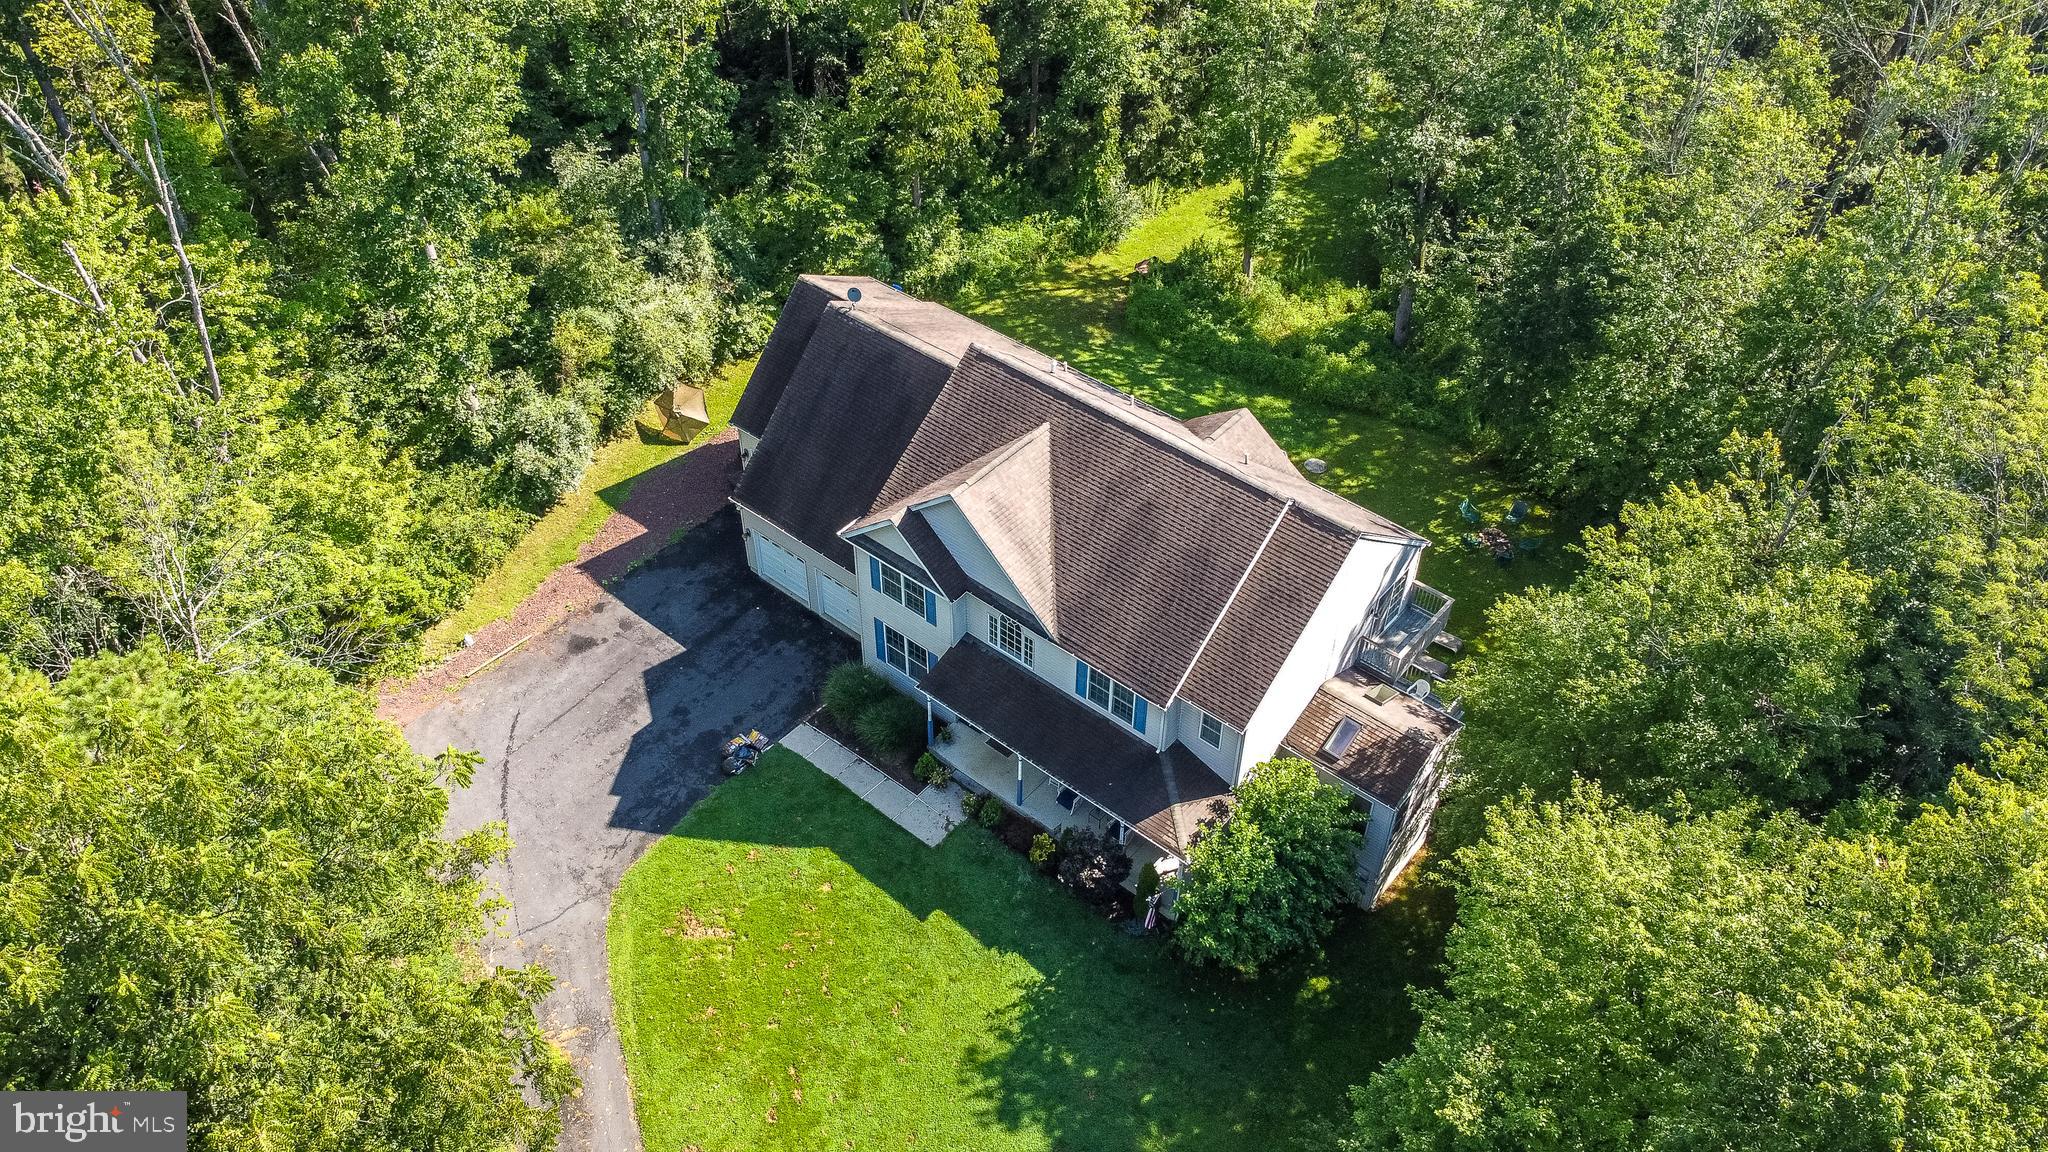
683	413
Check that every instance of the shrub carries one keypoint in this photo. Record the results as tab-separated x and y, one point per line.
933	771
891	726
850	689
1093	864
1148	882
970	804
1270	880
544	443
991	813
1043	849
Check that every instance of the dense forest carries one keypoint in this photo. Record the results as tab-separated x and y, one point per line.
309	308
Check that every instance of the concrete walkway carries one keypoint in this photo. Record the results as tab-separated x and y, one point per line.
927	815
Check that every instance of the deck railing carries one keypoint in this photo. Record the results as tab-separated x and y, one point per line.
1410	632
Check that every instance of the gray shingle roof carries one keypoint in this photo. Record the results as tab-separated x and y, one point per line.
1397	735
1148	523
1164	796
846	414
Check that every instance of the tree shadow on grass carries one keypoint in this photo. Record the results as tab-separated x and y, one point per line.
1118	1046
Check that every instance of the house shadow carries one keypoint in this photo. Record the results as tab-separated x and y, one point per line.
746	657
1117	1045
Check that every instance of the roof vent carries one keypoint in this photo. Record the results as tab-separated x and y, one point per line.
853	295
1315	465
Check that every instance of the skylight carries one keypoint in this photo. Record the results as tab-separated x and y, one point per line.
1341	739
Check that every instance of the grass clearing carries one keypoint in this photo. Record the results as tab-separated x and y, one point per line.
1412	476
556	537
791	970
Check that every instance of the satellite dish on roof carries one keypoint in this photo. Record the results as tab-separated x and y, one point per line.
1315	466
853	295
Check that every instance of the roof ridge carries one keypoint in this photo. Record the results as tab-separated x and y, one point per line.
1194	448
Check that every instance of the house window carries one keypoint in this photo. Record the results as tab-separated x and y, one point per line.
1112	697
904	654
1009	636
1212	731
896	586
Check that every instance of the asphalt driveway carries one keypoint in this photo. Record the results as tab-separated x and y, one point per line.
597	736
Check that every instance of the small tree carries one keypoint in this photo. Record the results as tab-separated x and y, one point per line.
1269	881
1092	864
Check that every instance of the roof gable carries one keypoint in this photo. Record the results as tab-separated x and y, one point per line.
1148	544
1238	433
852	403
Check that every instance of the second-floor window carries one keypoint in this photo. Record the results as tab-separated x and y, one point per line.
1212	731
1110	696
902	589
1009	636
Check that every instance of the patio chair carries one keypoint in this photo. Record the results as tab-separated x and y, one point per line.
1530	545
1468	510
1519	512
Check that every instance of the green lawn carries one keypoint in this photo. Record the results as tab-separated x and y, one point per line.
1414	477
555	538
792	971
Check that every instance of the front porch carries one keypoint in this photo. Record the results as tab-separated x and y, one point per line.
986	764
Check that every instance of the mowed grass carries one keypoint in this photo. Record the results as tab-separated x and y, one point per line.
1414	477
793	971
556	537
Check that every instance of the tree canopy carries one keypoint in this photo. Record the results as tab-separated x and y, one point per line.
1618	980
237	886
1268	881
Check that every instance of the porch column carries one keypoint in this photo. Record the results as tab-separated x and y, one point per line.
1020	780
928	733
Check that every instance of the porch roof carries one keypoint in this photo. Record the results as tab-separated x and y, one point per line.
1163	796
1397	734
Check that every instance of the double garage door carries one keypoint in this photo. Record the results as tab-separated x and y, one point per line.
785	569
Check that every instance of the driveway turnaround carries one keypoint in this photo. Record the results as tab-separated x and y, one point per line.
597	736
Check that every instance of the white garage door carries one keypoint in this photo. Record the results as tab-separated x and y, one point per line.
783	567
838	604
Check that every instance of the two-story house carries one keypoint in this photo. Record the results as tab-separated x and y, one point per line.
1112	615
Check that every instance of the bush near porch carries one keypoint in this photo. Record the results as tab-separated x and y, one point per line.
794	971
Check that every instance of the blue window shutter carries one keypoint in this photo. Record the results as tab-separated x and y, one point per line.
875	573
1138	715
930	658
931	607
1080	678
881	642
